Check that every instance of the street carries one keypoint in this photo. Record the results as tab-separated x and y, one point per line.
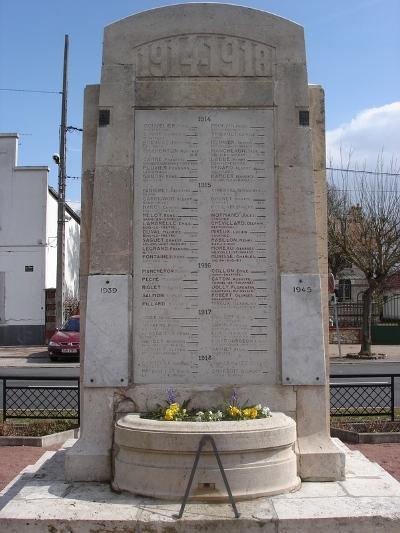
33	362
374	368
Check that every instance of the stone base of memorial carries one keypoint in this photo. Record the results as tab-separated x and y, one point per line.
154	458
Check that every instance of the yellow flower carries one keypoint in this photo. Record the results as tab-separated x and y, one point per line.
250	412
253	412
234	411
169	414
172	412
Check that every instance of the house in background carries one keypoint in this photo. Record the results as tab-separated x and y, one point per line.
28	247
350	286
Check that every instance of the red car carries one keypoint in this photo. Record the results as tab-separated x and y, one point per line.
66	341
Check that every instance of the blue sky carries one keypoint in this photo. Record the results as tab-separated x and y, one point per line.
353	50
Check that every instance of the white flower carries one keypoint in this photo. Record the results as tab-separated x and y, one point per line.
258	407
265	411
218	414
200	413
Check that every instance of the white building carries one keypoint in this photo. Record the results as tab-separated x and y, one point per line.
28	246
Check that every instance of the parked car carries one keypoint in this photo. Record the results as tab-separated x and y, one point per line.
66	341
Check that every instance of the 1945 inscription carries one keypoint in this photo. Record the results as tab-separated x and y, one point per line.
203	55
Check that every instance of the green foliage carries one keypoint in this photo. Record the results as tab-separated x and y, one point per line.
35	428
173	411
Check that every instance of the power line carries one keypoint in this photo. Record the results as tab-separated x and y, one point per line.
72	128
356	171
30	91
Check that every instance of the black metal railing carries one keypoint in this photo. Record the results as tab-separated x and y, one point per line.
350	314
27	397
363	398
347	398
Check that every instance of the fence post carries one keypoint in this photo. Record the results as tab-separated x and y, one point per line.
79	403
392	397
4	380
335	303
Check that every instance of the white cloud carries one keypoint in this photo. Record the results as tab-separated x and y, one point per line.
370	133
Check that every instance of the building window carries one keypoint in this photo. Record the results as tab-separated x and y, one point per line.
304	118
104	117
344	292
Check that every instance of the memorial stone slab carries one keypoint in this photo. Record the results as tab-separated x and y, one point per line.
303	361
205	250
107	332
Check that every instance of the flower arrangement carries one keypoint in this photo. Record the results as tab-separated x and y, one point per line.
174	411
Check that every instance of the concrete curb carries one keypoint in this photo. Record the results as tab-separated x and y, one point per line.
43	442
365	438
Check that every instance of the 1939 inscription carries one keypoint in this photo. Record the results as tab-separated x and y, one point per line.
203	55
108	290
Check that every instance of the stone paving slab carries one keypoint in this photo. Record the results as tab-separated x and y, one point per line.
392	352
39	500
31	357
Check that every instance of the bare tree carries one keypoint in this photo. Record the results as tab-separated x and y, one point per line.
336	259
364	229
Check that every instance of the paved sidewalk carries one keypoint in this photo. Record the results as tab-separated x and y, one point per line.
30	357
23	356
392	353
13	459
386	455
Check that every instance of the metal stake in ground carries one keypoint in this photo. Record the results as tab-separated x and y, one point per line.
202	442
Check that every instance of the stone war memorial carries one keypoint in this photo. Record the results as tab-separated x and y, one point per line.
203	278
204	255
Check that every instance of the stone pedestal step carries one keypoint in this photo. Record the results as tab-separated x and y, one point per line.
39	501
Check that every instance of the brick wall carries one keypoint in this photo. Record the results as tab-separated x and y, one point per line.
349	335
50	326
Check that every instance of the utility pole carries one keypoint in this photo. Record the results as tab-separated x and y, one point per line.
60	282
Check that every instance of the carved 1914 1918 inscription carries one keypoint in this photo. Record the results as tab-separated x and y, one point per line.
203	55
204	247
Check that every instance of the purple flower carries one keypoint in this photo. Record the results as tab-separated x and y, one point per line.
234	398
171	396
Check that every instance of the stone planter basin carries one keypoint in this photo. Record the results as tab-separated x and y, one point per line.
154	458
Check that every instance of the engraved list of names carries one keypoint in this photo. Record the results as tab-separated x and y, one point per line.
204	247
